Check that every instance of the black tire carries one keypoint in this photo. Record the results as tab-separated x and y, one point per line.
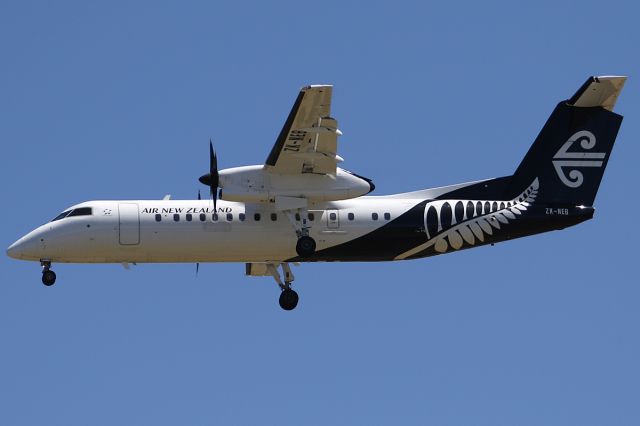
48	278
288	299
305	246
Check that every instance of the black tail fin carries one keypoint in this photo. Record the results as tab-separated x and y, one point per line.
572	150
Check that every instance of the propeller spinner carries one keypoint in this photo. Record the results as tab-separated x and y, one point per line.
212	179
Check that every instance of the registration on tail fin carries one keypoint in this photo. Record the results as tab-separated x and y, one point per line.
571	152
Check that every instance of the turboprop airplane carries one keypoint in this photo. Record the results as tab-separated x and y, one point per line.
301	207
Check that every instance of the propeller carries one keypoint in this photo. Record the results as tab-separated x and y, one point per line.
198	263
212	179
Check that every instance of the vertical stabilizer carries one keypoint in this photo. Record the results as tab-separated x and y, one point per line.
571	152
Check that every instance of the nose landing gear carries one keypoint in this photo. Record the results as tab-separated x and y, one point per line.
48	276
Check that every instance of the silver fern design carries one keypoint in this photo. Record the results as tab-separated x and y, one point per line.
469	221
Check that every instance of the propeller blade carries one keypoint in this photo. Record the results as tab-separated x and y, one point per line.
199	197
197	268
214	181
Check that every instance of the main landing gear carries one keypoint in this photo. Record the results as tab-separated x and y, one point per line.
299	218
288	297
48	276
305	246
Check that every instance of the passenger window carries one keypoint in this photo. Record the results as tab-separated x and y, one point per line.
203	217
189	217
387	216
242	217
351	216
214	217
274	217
158	217
229	217
374	216
176	217
256	217
311	217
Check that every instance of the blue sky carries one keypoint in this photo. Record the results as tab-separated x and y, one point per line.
118	100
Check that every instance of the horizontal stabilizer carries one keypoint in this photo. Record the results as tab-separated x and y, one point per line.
599	91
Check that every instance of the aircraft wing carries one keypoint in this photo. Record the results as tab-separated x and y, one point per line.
308	142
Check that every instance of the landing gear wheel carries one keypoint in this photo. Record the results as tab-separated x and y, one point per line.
288	299
306	246
48	277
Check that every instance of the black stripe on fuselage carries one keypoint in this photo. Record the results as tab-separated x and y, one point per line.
385	243
407	231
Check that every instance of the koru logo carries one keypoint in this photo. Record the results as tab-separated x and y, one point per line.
564	158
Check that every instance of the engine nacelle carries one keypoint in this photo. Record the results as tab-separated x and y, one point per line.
255	184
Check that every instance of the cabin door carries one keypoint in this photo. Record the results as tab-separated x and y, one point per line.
129	220
333	219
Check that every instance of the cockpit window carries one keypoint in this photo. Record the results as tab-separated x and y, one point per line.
61	215
81	211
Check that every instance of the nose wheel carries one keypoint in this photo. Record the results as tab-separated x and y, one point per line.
48	276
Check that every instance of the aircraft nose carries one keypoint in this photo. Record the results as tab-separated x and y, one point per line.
25	248
15	250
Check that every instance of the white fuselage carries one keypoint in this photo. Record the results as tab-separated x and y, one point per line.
187	231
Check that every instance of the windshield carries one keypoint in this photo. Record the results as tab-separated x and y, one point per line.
61	215
80	211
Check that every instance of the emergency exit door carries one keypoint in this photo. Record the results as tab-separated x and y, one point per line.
129	220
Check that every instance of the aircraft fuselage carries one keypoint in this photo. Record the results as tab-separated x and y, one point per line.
364	229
